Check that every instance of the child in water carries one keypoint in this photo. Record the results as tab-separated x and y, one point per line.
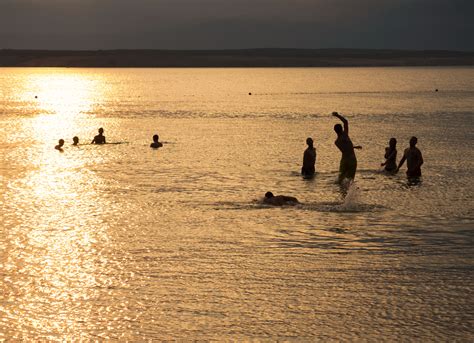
391	156
156	144
60	145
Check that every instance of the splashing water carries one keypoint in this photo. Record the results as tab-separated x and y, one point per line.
352	200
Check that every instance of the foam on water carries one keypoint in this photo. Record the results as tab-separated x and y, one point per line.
352	199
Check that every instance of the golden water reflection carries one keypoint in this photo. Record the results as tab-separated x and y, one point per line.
54	266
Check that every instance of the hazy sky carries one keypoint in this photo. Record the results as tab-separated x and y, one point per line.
223	24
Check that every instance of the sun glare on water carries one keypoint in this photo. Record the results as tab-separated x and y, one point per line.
63	99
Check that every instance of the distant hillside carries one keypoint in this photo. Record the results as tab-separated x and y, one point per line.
234	58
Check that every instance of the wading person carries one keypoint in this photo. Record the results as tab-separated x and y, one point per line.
156	144
60	145
348	164
309	159
414	160
100	138
391	156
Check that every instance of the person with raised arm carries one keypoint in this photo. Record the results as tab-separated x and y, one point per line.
348	164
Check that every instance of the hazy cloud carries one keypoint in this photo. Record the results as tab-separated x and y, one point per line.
219	24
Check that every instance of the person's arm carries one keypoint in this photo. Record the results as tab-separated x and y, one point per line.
344	121
358	147
93	141
401	162
420	159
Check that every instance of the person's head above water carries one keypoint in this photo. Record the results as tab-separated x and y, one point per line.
75	140
392	142
155	138
60	145
269	195
338	128
101	131
413	141
309	141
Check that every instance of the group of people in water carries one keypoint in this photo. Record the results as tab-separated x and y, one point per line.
100	139
347	167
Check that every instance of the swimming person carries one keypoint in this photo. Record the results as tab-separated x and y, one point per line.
414	160
279	200
309	159
60	145
75	140
100	138
348	164
156	144
391	156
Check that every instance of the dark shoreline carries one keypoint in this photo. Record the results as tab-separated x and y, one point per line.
234	58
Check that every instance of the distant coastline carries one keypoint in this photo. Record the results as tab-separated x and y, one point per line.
234	58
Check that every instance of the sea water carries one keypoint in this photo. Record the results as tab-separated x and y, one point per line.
124	242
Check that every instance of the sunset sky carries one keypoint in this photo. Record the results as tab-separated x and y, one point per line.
224	24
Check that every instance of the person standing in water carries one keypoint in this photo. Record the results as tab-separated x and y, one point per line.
348	165
156	144
75	140
309	159
391	156
414	160
100	138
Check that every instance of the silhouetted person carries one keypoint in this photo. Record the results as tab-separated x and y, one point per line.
348	165
414	159
391	156
60	145
279	200
75	140
309	159
100	138
156	144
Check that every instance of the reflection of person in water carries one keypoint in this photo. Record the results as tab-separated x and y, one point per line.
100	138
279	200
309	159
75	140
156	144
348	165
60	145
414	159
391	156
